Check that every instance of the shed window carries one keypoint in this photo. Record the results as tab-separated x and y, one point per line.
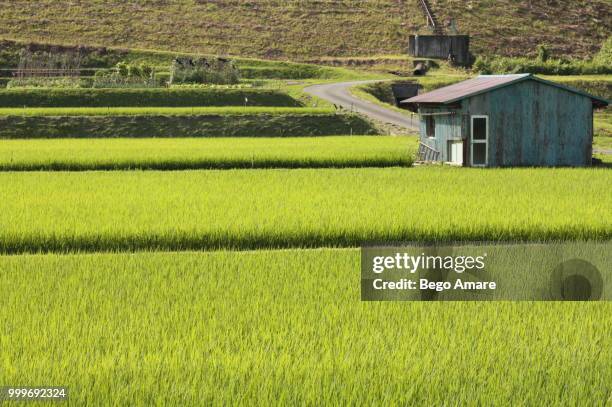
480	136
430	126
480	128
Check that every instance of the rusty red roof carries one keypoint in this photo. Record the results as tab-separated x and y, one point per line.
485	83
461	90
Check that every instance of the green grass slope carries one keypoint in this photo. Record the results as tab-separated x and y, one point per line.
223	123
157	97
311	28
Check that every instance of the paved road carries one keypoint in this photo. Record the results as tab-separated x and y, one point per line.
339	94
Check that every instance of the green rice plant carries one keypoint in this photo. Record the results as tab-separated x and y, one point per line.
298	208
283	328
193	153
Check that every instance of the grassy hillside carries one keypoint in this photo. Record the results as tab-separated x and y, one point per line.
308	28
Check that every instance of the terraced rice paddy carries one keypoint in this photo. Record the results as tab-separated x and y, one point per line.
247	209
142	285
283	327
205	153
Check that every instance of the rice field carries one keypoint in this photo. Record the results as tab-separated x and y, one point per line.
283	328
160	111
246	209
205	153
224	271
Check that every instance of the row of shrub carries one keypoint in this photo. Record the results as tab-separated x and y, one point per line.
102	81
297	71
270	125
500	65
598	88
544	64
106	78
155	97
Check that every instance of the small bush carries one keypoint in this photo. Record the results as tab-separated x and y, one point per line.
126	75
604	57
162	78
134	71
543	53
203	70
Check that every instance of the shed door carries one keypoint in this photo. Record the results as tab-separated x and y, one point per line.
455	152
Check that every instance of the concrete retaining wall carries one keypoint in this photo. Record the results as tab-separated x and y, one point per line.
441	46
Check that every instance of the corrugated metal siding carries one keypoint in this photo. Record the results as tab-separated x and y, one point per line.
530	124
448	127
533	124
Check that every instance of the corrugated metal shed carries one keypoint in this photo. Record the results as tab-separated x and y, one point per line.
507	120
485	83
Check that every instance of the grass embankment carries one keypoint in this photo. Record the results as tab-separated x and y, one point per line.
603	123
298	208
222	124
283	327
205	153
602	142
598	85
603	135
161	97
308	29
160	111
